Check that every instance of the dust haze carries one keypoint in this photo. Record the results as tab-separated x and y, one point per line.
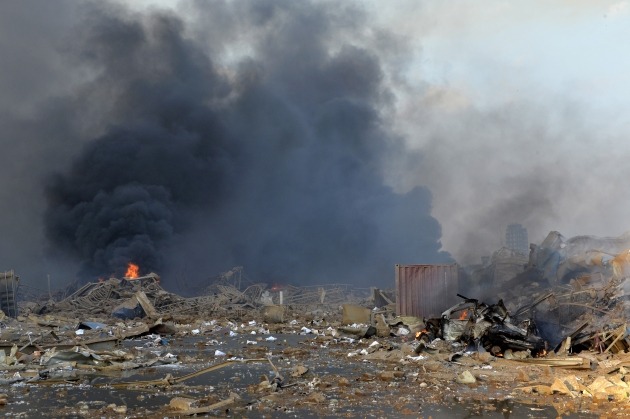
291	138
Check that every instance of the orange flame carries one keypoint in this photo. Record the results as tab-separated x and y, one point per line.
133	271
422	332
463	315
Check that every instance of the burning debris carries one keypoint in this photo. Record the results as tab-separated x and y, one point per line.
133	271
569	288
484	327
139	296
523	343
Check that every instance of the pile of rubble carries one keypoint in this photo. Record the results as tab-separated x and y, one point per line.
485	327
128	298
574	289
555	337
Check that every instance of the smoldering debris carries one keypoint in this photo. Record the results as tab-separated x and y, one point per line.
201	357
129	298
566	343
485	327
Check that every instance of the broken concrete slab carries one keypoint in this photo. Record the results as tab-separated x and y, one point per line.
466	377
146	305
182	403
354	314
273	314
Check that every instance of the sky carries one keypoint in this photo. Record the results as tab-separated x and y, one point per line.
310	142
520	106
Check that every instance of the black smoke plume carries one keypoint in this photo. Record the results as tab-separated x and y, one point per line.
271	157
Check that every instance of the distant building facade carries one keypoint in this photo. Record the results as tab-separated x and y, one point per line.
516	239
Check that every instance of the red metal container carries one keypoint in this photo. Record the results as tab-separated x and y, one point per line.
426	290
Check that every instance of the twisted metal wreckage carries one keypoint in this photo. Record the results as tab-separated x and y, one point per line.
583	305
485	327
546	315
571	296
227	295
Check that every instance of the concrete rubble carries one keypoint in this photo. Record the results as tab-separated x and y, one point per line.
553	339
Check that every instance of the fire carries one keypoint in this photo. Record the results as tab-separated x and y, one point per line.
133	271
496	351
422	332
463	315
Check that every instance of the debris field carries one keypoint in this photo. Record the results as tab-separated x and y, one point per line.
547	344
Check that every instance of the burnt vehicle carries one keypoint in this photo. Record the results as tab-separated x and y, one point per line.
484	327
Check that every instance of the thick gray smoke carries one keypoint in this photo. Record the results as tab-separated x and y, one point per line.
257	138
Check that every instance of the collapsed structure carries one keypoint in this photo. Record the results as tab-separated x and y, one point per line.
571	288
564	306
571	291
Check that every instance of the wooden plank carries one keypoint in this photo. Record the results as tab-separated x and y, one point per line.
620	332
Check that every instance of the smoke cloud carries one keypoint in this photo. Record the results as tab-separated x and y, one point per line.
256	135
512	125
306	141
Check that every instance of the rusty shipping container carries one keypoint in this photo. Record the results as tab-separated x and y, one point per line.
426	290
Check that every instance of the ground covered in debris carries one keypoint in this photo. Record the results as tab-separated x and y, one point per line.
307	366
128	348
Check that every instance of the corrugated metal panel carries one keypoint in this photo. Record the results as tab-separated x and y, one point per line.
425	290
8	292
